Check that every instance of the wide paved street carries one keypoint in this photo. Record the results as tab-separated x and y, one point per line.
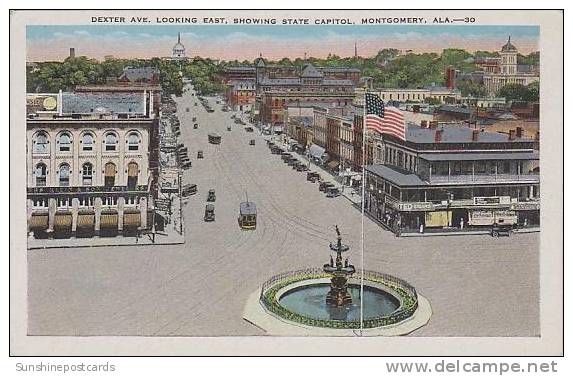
477	285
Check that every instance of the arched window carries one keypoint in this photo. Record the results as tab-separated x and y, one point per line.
132	173
40	175
110	142
64	142
110	172
41	143
133	142
88	142
87	173
64	175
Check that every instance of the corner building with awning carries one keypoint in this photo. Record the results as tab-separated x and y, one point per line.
453	176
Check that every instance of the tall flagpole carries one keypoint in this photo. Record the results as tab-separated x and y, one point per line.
362	222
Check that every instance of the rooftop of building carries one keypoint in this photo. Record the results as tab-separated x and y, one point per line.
456	133
508	47
108	103
140	74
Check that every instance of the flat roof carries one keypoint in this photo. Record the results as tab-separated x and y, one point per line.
456	133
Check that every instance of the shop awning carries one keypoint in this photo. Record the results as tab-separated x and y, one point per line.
108	220
131	219
39	222
86	220
63	222
332	165
316	151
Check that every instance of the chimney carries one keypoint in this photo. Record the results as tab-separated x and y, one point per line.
511	134
424	124
438	135
519	132
475	135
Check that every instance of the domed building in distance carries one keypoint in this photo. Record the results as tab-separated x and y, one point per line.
178	52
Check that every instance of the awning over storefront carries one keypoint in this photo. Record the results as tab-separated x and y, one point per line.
131	219
317	151
86	220
108	220
39	222
332	165
63	221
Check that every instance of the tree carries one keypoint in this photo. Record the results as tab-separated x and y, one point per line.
517	92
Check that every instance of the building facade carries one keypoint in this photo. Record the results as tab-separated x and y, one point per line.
88	164
509	72
241	95
454	177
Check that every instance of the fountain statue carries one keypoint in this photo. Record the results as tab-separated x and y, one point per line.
338	295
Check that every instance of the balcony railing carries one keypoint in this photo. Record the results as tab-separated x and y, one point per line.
87	189
484	178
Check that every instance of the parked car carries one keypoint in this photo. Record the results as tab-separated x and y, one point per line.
312	176
333	192
323	186
211	195
249	129
209	213
200	154
501	229
252	142
292	161
188	190
302	167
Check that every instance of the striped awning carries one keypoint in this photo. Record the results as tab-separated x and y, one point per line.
63	222
86	220
131	219
108	220
39	222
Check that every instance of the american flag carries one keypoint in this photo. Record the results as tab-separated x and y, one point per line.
381	119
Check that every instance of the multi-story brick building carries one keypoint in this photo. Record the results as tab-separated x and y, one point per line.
241	95
88	163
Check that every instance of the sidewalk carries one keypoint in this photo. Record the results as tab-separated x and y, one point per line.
169	237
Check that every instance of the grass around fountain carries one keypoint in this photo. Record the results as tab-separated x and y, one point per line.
405	292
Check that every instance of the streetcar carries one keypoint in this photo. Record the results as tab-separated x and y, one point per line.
247	216
214	138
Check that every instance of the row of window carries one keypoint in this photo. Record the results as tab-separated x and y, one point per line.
64	142
83	201
87	174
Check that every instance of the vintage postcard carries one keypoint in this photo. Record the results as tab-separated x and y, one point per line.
286	182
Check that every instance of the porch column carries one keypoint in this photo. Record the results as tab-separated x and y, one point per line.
120	206
51	214
75	208
97	212
143	212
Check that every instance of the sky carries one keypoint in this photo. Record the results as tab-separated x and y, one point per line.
229	42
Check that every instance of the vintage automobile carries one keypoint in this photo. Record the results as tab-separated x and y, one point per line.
292	161
209	213
324	186
312	176
247	215
214	138
229	128
187	109
195	103
285	156
302	167
200	154
188	190
186	165
295	164
249	129
501	229
252	142
194	117
195	126
211	195
333	192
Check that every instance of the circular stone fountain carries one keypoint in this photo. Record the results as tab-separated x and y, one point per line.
328	301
